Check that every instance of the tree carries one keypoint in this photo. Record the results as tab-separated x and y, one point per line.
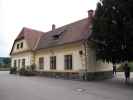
113	30
7	62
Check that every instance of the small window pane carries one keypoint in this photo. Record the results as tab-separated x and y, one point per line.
19	63
53	62
68	62
22	45
23	62
17	46
15	63
41	63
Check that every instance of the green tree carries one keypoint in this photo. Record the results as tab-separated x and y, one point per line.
6	61
113	30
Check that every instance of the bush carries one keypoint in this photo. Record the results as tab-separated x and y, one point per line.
22	71
26	72
13	70
33	67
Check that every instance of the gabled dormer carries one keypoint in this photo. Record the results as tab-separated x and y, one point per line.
26	41
20	46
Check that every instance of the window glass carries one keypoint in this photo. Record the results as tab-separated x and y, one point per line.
22	45
17	46
68	62
41	63
23	62
15	63
19	63
53	62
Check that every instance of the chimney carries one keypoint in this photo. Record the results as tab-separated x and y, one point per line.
90	13
53	27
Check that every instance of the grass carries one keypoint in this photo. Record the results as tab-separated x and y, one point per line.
120	69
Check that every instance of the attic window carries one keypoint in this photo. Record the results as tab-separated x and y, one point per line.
17	46
21	45
55	37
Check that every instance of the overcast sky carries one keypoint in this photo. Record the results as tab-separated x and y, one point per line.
39	15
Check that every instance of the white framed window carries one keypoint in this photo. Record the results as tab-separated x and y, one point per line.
68	62
53	62
23	62
41	62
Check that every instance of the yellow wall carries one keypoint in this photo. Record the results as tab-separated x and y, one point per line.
28	56
79	62
59	52
96	66
25	46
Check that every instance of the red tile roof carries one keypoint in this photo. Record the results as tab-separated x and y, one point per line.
30	35
73	32
77	31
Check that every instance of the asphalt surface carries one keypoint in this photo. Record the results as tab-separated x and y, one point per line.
14	87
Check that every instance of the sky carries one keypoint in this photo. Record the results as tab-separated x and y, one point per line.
39	15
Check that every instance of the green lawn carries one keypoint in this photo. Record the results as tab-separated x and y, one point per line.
121	67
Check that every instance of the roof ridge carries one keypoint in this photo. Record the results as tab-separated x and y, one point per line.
27	28
31	29
36	44
66	25
78	31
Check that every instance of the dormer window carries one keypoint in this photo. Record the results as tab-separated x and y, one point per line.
55	37
17	46
59	34
21	45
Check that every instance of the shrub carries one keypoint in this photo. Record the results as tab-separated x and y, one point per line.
13	70
33	67
22	71
26	72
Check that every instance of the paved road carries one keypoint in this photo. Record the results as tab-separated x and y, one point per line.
14	87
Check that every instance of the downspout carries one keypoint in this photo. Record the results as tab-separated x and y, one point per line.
85	54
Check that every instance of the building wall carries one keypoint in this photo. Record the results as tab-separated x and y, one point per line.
59	52
79	62
89	62
25	46
96	66
28	56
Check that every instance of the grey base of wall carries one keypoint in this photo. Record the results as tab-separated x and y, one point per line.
4	69
99	75
77	76
65	75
